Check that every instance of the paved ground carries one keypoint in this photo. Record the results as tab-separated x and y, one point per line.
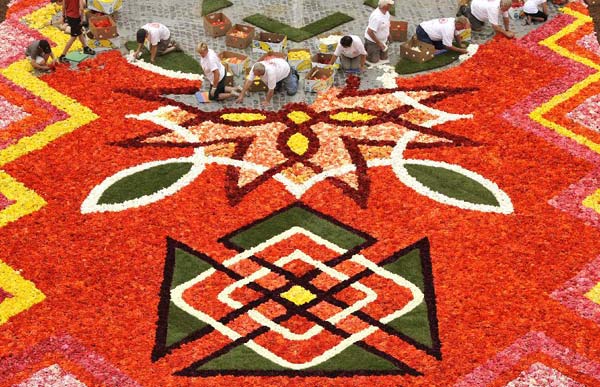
185	22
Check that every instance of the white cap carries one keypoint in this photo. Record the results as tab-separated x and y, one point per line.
386	2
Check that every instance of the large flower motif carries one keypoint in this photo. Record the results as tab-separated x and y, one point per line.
337	138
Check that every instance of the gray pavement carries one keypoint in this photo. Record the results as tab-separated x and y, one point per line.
186	24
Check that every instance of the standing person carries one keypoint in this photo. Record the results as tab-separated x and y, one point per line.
377	32
533	12
481	11
73	14
214	71
594	11
351	52
275	73
159	37
441	32
38	52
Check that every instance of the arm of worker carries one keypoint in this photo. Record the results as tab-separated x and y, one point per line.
153	50
545	8
333	59
363	60
39	66
374	37
267	100
81	8
460	46
244	90
504	31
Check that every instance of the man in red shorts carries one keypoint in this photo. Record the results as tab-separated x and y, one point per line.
73	14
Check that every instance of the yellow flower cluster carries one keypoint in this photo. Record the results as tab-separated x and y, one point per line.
299	55
298	117
353	116
243	117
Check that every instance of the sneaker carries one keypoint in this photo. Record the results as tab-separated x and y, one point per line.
63	59
88	51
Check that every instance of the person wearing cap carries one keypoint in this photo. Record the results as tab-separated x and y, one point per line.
481	11
214	71
351	52
73	16
38	53
275	73
159	38
441	32
377	32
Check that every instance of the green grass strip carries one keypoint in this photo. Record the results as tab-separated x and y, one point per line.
210	6
176	61
298	34
374	3
405	66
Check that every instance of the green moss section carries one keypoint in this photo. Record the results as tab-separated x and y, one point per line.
452	184
354	358
145	182
299	34
180	324
241	358
405	66
210	6
373	4
297	216
414	324
176	61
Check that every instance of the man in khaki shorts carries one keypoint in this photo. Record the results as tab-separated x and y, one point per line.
378	32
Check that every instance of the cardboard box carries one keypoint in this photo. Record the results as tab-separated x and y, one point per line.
235	36
238	63
256	85
303	60
228	75
321	60
318	79
216	24
328	42
266	42
398	31
272	54
103	32
416	50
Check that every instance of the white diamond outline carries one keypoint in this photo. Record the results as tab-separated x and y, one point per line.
314	330
177	299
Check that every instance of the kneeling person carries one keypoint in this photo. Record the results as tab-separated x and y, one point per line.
275	73
351	52
214	71
481	11
533	13
38	52
159	37
441	32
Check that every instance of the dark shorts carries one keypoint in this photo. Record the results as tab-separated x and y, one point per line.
423	37
75	25
539	14
476	24
218	90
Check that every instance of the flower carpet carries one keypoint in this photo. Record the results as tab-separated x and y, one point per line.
439	230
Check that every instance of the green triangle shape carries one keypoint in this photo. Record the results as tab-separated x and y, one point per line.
355	358
181	324
414	324
186	267
241	358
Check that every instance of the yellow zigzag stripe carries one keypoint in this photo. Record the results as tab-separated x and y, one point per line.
551	42
24	293
27	201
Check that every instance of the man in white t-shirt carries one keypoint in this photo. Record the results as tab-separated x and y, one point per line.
482	11
214	72
351	52
532	11
275	73
378	32
159	38
442	32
